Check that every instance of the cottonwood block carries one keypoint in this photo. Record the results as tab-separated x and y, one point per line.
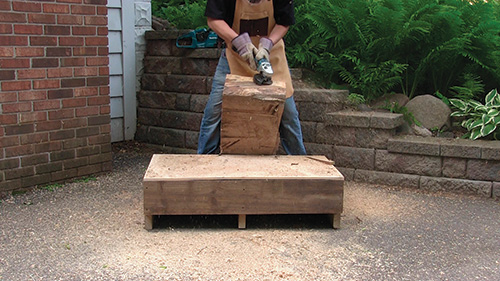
241	185
251	116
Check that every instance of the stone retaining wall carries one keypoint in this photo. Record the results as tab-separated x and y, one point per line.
364	145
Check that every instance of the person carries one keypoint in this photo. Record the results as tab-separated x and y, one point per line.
243	25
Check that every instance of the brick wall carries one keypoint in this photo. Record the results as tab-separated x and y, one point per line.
54	91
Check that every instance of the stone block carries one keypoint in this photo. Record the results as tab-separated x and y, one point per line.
414	145
482	188
385	120
490	150
349	119
335	135
320	149
454	167
161	136
353	157
310	111
159	47
163	65
183	102
186	84
157	99
407	163
198	103
336	98
149	116
192	140
488	170
373	138
309	131
348	173
386	178
153	82
496	190
461	148
190	66
180	120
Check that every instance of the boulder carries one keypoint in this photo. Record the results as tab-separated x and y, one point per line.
430	111
389	99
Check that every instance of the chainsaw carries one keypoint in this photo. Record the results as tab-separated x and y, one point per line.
198	38
265	72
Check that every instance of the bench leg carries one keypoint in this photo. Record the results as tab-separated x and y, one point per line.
242	221
335	220
148	222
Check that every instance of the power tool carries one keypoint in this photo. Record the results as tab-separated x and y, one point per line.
198	38
265	72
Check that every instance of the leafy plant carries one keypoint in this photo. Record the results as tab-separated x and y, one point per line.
480	120
182	14
407	115
470	89
355	99
51	187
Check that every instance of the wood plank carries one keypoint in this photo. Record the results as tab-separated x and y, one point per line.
242	221
251	116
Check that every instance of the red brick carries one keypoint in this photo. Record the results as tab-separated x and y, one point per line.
62	135
14	63
84	30
71	41
72	82
59	72
16	107
87	111
98	100
13	40
16	85
19	129
69	19
102	10
105	109
5	28
104	71
56	8
103	31
28	29
52	62
86	71
84	51
80	102
31	73
8	119
34	138
60	94
70	1
43	41
46	84
19	150
97	61
87	91
26	6
32	95
12	17
7	75
72	62
8	97
96	2
58	52
75	123
57	30
29	52
103	51
61	114
30	117
96	20
48	126
42	18
48	147
5	6
104	91
6	52
48	104
96	41
97	81
83	10
9	141
36	159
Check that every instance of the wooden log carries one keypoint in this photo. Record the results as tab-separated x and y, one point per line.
251	116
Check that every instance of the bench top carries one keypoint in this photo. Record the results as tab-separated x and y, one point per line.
174	167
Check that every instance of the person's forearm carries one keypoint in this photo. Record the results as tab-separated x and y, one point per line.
278	32
222	29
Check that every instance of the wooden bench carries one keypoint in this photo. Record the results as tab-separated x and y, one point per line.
241	185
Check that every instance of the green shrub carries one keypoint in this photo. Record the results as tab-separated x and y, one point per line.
182	14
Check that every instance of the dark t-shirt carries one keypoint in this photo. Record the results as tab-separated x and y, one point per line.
224	10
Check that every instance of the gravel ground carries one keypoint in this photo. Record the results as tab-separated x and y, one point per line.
93	230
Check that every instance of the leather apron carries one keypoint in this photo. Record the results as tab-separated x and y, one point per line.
258	21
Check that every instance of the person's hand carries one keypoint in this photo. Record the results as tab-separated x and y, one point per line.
243	45
265	46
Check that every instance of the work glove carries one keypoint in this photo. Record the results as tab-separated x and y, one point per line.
243	45
265	46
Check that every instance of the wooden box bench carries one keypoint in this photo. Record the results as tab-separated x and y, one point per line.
241	185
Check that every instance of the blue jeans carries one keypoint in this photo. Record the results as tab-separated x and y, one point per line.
209	140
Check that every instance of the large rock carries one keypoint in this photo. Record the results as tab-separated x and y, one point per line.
430	111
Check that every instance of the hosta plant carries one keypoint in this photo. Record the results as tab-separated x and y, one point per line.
479	120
